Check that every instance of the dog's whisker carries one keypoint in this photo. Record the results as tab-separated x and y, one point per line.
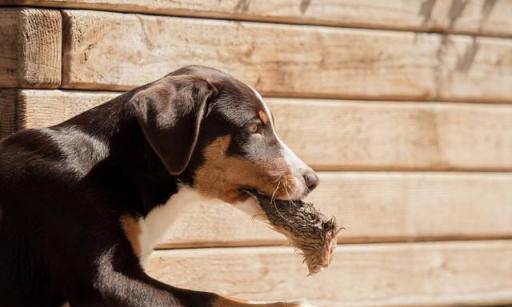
288	194
272	201
276	189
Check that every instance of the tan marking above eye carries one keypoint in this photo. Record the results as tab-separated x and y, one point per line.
263	117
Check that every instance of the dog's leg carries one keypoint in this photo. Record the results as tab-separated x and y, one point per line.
118	280
150	294
189	298
124	291
225	302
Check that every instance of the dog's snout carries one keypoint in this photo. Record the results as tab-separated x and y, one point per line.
310	179
297	167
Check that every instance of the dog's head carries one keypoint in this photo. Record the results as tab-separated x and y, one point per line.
218	135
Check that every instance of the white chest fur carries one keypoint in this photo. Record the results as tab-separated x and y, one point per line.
159	220
155	225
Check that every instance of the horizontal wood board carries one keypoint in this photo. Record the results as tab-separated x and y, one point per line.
119	51
30	49
8	118
420	274
482	17
349	135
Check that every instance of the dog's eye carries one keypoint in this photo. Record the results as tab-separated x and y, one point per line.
253	128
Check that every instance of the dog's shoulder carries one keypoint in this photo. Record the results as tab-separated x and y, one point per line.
50	150
26	149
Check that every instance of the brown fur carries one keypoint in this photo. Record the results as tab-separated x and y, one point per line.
223	176
132	230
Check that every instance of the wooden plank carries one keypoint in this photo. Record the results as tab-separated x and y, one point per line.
475	69
119	51
31	48
8	50
8	121
420	274
398	136
351	135
38	108
472	17
481	17
311	62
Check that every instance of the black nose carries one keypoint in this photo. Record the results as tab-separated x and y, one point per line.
311	179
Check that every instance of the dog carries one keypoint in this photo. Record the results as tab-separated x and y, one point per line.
82	203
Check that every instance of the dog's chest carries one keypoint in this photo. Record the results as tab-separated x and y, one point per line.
145	233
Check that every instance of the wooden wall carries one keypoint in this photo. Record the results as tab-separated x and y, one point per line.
403	106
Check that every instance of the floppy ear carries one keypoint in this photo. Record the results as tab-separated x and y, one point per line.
170	112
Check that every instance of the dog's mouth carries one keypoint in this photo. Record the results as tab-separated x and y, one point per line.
258	194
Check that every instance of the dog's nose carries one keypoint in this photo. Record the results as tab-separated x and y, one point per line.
311	179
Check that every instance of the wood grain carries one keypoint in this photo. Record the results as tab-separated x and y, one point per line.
420	274
37	108
471	17
481	17
8	50
119	51
405	136
30	53
475	69
350	135
8	99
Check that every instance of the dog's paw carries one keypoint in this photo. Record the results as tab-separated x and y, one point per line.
302	304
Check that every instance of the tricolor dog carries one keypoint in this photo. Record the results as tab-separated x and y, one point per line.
82	203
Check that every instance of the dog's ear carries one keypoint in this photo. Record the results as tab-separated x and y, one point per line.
170	112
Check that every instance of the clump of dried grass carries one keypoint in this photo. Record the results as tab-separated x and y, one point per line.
306	228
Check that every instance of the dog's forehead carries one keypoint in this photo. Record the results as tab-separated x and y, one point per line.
242	102
238	101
